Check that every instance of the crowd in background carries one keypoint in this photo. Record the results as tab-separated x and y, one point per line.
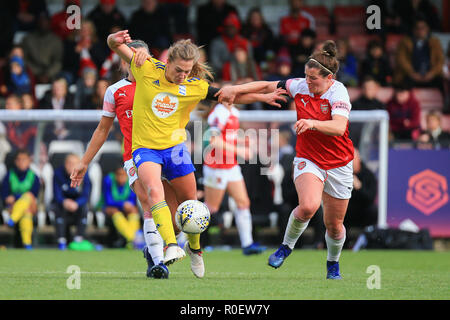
239	49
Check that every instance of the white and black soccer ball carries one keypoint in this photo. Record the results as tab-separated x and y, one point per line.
192	216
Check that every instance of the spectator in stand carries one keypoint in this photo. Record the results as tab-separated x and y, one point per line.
105	16
100	89
19	134
420	58
210	20
86	89
222	47
57	98
368	99
178	14
433	136
28	101
6	33
446	68
362	210
59	20
376	64
26	13
10	79
241	68
300	53
43	51
291	26
404	113
260	35
70	205
150	24
90	47
409	9
348	65
19	82
20	189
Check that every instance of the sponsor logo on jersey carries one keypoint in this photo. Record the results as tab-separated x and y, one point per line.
164	104
137	158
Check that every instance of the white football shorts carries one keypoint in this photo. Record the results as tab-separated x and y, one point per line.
337	182
129	167
219	178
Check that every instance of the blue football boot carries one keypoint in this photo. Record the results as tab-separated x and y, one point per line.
333	270
158	271
277	258
254	248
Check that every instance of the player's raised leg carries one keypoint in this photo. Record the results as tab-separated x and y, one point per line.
333	215
186	189
309	201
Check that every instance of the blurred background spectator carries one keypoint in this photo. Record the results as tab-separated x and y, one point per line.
404	113
348	65
376	64
58	21
433	136
292	25
241	68
301	52
43	50
105	16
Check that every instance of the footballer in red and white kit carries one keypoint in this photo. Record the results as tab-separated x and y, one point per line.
222	173
118	101
220	167
327	157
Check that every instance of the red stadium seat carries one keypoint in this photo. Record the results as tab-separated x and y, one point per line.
429	98
322	18
358	43
445	123
349	20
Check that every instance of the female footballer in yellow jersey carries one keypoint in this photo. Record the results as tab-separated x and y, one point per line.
165	95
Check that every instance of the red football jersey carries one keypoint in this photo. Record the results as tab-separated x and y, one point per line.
118	101
291	27
328	152
227	123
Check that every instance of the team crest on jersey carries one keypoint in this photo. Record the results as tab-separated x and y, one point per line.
301	165
164	104
132	171
324	107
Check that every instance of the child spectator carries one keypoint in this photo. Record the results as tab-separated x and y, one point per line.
120	204
70	205
20	82
20	189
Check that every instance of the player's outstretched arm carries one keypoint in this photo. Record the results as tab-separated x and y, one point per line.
117	42
227	94
97	140
272	98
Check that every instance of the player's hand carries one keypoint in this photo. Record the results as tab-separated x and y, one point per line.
118	38
274	97
78	174
226	95
302	125
140	55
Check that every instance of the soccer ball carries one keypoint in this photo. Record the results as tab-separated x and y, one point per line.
192	216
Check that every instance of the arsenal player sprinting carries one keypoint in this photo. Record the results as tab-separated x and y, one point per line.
323	166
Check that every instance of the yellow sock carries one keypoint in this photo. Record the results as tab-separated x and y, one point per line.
134	222
26	228
20	207
194	241
122	225
163	220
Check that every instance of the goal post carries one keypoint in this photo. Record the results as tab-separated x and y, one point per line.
377	117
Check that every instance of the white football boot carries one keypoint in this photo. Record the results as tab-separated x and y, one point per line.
173	253
197	265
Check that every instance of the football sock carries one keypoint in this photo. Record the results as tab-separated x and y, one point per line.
153	240
26	228
122	225
334	246
163	220
134	222
294	230
243	220
20	207
194	241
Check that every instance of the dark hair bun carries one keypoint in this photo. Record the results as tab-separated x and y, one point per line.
329	48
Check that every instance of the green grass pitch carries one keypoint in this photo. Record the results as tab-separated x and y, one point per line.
120	274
